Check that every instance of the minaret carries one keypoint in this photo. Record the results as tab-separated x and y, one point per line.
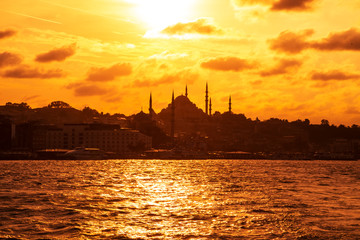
150	105
210	107
172	133
186	91
230	104
206	99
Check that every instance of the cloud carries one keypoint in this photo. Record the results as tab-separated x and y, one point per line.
90	90
9	59
58	54
33	17
85	90
290	42
279	5
241	3
333	75
346	40
186	76
28	98
29	72
200	26
282	67
109	74
115	98
169	56
293	43
7	33
294	107
292	5
227	64
352	110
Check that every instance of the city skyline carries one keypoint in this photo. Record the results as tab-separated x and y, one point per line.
283	59
206	108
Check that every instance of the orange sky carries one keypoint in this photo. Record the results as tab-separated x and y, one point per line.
292	59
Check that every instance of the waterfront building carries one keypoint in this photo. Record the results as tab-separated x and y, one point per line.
107	137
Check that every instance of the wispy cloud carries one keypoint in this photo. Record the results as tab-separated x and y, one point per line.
292	5
352	110
282	67
34	17
289	42
7	33
58	54
200	26
85	11
227	64
278	5
9	59
86	89
185	76
333	75
89	90
293	43
346	40
29	72
109	74
28	98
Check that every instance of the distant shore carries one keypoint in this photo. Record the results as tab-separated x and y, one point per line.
25	155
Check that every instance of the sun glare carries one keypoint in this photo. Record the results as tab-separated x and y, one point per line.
158	14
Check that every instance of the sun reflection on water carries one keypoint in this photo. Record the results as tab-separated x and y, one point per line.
180	200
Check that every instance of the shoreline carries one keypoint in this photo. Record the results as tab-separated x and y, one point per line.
174	155
179	159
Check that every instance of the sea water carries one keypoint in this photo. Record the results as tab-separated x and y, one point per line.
182	199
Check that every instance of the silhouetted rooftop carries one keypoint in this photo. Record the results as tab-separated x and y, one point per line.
184	109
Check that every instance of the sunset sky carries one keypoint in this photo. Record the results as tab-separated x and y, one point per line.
289	59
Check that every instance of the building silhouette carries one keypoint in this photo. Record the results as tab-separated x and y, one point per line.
230	104
172	134
150	105
107	137
210	108
206	99
181	125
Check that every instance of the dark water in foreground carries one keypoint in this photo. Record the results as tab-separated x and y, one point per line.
206	199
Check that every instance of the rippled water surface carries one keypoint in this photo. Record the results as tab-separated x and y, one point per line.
159	199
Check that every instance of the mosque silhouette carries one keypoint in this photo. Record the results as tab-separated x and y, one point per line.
183	116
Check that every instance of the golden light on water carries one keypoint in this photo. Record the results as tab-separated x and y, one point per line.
169	199
219	199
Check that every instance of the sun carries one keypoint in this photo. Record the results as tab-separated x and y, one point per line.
158	14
